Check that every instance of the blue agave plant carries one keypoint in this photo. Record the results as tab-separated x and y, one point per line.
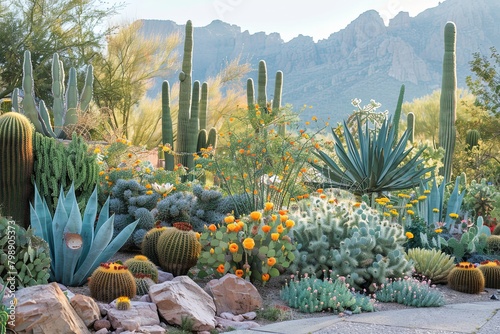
77	245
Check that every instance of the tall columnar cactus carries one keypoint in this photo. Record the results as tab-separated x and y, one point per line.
472	138
178	249
448	102
192	115
110	281
16	166
467	278
66	105
264	106
410	121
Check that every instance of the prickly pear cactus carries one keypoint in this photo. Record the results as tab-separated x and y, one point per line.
350	241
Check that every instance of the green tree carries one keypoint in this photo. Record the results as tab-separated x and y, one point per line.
486	85
72	28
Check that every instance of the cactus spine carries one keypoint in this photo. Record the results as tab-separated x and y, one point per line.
140	264
467	278
65	109
472	138
448	102
16	166
110	281
178	249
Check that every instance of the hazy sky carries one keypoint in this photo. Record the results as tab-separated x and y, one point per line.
316	18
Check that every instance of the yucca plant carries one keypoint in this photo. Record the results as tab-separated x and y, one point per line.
371	163
76	247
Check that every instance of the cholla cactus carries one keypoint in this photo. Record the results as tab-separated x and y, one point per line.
351	240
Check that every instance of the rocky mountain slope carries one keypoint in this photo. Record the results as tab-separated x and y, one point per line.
366	59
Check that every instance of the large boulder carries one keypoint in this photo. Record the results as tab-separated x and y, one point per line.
182	298
234	295
86	308
140	314
45	309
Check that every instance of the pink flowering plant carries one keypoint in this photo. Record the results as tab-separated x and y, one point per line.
256	247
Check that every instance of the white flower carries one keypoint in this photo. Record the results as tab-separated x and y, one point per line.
267	180
165	188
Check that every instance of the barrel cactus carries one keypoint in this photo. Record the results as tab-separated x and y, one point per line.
178	249
16	166
466	277
123	303
493	244
491	272
143	283
140	264
112	280
472	138
150	241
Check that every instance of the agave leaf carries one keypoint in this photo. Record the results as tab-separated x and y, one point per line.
89	217
103	215
71	255
58	224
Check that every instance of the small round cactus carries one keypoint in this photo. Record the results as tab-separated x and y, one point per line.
491	272
140	264
143	283
178	249
123	303
493	243
466	277
149	242
112	280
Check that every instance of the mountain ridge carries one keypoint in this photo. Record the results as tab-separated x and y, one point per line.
366	59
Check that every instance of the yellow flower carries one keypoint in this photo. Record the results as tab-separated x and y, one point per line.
268	206
387	214
233	248
101	173
199	165
453	215
290	223
249	243
421	198
283	218
148	186
229	219
221	269
357	204
409	235
256	215
435	210
271	261
97	150
275	236
149	192
231	227
239	272
212	250
438	230
410	212
409	205
427	191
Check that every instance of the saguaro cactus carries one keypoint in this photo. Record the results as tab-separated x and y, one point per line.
16	166
448	102
166	124
410	121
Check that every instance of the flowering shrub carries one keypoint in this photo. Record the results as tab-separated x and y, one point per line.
256	247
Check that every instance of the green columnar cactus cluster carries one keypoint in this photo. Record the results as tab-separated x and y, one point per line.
351	241
432	264
16	166
260	109
192	135
59	166
31	256
110	281
178	249
467	278
66	105
448	102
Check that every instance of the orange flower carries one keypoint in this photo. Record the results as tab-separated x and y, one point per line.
322	196
290	223
256	215
240	223
320	191
271	261
266	228
212	227
249	243
274	217
229	219
279	228
275	236
233	248
221	269
237	228
282	212
268	206
242	151
239	272
265	277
